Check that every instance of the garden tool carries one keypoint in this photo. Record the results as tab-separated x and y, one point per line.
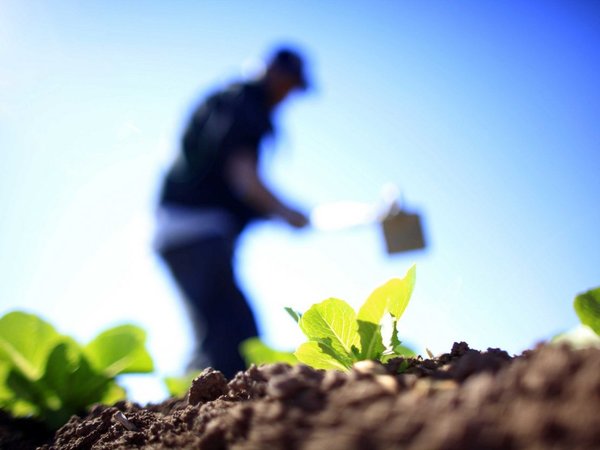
402	230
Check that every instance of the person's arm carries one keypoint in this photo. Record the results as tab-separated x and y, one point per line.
241	172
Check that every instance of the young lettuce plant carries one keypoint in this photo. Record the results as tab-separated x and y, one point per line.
50	376
338	336
255	351
178	386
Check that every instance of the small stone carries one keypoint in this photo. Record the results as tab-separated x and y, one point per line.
120	417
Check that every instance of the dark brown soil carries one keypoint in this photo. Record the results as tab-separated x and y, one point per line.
546	398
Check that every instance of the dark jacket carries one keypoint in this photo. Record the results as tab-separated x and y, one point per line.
230	120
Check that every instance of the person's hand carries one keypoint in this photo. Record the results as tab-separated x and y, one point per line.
294	218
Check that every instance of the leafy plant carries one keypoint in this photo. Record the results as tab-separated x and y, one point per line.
587	307
338	336
255	351
179	386
50	376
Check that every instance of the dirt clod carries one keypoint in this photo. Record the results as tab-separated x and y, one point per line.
207	386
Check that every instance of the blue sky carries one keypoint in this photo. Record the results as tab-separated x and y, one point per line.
483	113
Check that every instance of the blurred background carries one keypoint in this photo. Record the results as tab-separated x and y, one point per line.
484	114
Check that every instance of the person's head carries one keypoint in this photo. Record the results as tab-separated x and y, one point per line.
285	72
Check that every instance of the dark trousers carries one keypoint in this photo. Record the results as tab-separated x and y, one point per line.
220	314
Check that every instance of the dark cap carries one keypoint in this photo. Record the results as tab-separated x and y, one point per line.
290	61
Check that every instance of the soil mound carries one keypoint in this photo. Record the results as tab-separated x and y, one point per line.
546	398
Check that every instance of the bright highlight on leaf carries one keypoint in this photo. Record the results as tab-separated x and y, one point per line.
26	341
332	323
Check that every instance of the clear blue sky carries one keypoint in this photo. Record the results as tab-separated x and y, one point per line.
485	114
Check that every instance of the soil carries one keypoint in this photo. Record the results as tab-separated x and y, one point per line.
545	398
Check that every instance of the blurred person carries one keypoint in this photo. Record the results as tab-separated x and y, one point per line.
210	194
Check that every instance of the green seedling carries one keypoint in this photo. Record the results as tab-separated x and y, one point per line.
587	307
338	336
255	351
178	386
50	376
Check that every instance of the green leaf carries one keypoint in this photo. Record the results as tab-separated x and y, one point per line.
392	296
296	315
395	341
28	397
333	323
72	379
179	386
405	351
119	350
255	351
113	393
26	341
371	342
399	292
374	307
6	395
587	307
314	354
